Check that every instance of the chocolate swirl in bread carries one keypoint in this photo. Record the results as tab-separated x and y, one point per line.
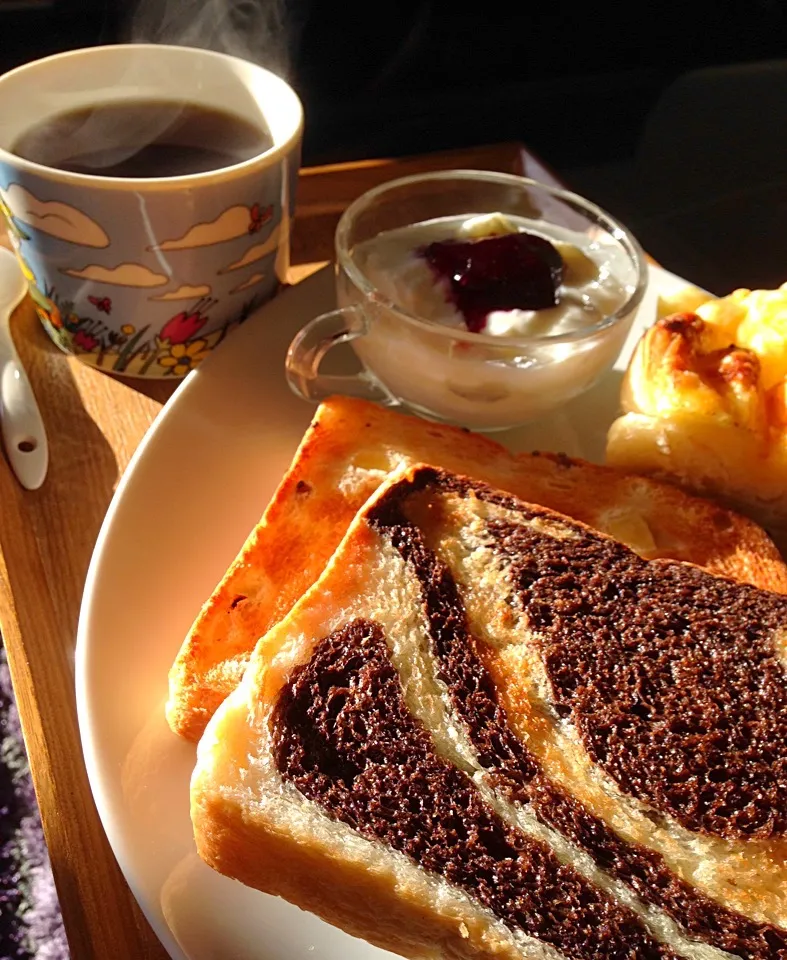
454	720
586	571
344	736
663	672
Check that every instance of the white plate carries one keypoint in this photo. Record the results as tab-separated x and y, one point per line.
195	488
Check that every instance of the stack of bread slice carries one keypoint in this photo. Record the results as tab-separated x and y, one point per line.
492	705
349	450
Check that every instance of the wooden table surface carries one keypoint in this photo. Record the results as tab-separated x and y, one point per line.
94	423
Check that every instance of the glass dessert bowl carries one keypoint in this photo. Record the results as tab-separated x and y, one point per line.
476	298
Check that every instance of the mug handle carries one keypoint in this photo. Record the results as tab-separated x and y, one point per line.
310	345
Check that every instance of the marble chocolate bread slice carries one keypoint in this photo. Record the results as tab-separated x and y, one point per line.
490	731
349	450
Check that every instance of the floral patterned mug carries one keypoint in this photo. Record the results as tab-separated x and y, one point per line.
143	277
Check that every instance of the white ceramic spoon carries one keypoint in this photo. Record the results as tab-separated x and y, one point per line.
23	429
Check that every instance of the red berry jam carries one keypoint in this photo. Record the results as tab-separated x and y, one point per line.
515	271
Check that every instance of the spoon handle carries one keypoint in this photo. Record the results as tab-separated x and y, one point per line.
23	429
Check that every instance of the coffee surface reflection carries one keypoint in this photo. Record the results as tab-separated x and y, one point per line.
143	139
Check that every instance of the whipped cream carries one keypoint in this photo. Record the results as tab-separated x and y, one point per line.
486	382
589	291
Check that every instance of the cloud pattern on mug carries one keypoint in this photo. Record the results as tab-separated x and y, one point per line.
146	284
54	218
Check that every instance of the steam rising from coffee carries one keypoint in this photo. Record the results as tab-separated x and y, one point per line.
255	30
98	140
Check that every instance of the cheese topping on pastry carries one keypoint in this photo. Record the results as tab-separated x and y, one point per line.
705	400
753	319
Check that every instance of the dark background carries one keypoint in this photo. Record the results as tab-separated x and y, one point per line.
671	115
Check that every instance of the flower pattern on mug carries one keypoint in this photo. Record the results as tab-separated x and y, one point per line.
184	325
184	357
85	341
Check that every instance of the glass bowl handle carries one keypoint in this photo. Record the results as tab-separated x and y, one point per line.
311	344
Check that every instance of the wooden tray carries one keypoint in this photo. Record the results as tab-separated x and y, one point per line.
94	423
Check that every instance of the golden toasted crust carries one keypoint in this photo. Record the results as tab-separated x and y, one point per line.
348	451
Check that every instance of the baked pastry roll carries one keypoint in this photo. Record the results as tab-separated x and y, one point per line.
489	731
705	404
347	453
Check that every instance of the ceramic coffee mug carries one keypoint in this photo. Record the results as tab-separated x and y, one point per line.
144	277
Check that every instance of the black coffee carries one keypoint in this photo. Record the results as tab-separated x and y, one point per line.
143	138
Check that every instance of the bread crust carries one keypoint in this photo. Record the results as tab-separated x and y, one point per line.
718	460
368	904
343	458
